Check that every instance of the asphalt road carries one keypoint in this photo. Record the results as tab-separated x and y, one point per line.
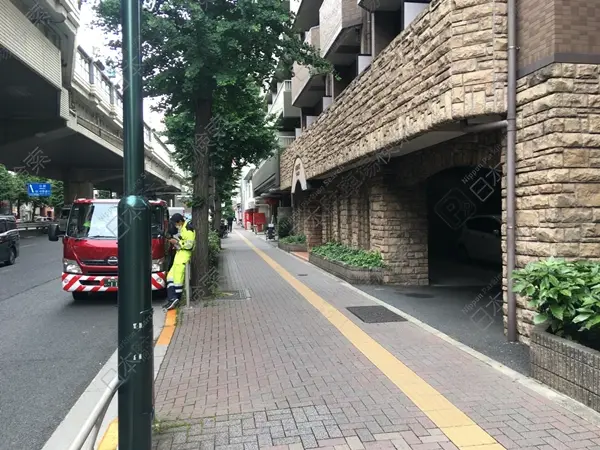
50	348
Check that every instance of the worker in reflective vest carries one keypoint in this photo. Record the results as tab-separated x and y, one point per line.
184	243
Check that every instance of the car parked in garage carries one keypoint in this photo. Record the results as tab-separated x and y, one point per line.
481	239
9	240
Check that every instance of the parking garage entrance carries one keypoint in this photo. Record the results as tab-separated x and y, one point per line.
464	208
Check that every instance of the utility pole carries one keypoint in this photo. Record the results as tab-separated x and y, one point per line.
136	358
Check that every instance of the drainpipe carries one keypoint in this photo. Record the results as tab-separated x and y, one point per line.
511	139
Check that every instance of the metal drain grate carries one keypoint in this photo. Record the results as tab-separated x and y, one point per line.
302	274
234	295
375	314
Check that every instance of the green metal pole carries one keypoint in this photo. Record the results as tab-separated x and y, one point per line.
135	263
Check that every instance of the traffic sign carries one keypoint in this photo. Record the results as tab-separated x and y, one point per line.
39	189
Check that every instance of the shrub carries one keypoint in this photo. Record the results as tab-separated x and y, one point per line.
565	294
284	227
299	239
353	257
214	248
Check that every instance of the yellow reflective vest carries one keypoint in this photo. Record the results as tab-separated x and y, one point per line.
187	243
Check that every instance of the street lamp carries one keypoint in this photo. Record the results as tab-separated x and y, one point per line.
136	355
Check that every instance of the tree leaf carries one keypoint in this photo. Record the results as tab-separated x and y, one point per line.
581	317
540	318
557	311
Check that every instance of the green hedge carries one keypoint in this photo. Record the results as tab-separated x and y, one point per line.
214	248
566	296
300	239
353	257
284	227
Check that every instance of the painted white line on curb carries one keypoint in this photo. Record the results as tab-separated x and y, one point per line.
65	433
562	400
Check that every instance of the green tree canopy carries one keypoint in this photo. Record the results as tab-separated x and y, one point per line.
190	49
244	136
8	185
13	188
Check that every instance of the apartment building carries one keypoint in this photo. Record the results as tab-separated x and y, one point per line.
267	198
443	112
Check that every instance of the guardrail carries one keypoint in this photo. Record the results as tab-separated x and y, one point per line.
94	422
33	225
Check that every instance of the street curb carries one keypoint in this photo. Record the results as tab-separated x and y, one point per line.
562	400
110	439
64	434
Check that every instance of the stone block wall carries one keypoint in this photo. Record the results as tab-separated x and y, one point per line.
398	223
388	212
448	65
558	168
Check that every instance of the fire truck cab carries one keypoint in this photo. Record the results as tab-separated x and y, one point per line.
90	251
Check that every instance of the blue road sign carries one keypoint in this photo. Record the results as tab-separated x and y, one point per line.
39	189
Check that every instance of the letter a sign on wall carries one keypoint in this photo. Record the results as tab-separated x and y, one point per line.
299	176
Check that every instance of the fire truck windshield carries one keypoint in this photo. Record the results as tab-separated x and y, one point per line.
100	221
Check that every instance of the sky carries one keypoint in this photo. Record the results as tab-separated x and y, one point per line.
93	40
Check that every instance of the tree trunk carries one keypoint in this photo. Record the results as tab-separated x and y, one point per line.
200	264
211	201
218	215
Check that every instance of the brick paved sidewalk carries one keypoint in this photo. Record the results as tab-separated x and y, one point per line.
273	371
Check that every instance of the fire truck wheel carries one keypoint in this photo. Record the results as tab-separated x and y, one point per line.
161	294
79	296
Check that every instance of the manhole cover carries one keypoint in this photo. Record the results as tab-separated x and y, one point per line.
234	295
375	314
417	295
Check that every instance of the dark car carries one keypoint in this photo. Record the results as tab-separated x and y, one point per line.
9	240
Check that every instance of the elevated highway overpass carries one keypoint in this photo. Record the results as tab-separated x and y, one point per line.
60	113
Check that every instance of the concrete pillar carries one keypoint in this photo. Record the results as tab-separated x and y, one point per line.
346	75
385	26
313	224
398	223
170	199
77	189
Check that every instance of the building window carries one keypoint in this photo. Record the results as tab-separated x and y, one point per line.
106	87
83	66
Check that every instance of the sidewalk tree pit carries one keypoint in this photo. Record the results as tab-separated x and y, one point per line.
565	344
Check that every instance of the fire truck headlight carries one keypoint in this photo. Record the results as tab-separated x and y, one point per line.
70	266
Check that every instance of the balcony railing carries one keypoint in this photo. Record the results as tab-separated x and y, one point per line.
277	104
302	74
286	141
282	102
306	12
334	17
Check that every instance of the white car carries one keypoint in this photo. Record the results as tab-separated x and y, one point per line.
481	239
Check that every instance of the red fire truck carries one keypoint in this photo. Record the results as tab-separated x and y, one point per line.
90	252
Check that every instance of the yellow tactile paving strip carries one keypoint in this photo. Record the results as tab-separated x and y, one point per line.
456	425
